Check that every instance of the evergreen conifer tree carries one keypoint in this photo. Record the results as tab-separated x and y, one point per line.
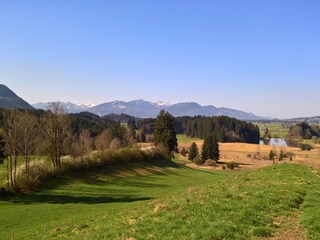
210	148
193	152
164	133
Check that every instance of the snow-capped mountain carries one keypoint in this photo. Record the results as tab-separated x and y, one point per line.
144	109
69	106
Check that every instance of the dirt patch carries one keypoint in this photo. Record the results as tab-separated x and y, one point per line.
289	228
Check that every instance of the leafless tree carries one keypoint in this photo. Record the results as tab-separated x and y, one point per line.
102	142
83	144
11	138
28	130
56	128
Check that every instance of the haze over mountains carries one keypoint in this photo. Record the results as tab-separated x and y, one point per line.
144	109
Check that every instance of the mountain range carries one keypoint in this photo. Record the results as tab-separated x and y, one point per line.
137	108
144	109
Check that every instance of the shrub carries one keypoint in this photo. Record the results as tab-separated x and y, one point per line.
198	160
281	156
232	165
271	155
210	162
249	155
306	147
183	152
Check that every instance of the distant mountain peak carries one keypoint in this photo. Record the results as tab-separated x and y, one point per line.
144	109
8	99
163	103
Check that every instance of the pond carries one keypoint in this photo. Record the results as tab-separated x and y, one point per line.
280	142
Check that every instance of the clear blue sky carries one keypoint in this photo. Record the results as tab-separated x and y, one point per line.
259	56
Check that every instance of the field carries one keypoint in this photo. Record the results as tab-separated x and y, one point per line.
78	199
277	202
280	202
175	200
277	130
253	156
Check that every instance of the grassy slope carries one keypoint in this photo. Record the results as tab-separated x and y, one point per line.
78	199
244	207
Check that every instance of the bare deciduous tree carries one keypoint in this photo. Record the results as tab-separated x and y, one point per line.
11	138
56	128
102	142
28	131
83	144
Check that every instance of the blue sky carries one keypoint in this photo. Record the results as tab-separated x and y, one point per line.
258	56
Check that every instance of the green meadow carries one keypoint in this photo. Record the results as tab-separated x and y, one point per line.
165	200
81	198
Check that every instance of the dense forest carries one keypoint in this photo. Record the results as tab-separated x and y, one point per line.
226	129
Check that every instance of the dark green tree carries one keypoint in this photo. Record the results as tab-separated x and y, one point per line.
281	156
193	152
164	133
210	148
271	155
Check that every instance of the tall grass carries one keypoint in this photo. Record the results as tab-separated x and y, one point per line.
43	170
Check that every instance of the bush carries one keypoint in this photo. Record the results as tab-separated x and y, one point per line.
232	165
183	152
249	155
305	147
210	162
198	160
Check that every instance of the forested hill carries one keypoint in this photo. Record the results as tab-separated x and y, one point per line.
225	128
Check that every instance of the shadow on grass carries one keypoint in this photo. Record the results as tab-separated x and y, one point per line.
64	199
97	193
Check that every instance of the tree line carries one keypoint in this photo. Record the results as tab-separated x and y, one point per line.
54	133
225	129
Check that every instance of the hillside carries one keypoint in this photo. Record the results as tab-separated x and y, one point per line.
181	203
8	99
145	109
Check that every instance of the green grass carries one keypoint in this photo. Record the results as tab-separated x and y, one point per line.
163	200
79	200
244	207
277	130
182	138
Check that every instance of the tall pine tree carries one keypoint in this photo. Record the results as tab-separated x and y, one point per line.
210	148
193	152
164	133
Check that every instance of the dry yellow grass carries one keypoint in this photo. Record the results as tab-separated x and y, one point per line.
252	156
